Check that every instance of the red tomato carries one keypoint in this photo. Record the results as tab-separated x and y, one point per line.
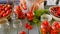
8	12
46	23
2	12
44	30
44	33
51	32
17	12
29	27
26	25
55	31
23	32
30	16
56	24
6	8
3	7
18	7
49	28
4	15
22	17
9	6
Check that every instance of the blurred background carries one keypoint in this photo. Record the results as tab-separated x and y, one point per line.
47	2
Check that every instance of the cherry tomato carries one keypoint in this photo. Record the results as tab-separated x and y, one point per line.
8	12
23	32
26	25
56	24
44	30
6	8
29	27
30	16
9	6
4	15
2	12
51	32
3	7
46	23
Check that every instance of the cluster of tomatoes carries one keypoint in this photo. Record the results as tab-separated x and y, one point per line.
5	10
28	26
22	15
56	11
19	12
47	28
30	15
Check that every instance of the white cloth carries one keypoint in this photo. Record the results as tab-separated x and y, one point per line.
51	2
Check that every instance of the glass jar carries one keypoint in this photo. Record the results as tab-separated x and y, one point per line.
4	26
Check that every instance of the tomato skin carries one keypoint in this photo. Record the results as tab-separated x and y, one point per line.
21	16
4	15
30	16
23	32
9	6
56	24
4	10
8	12
28	26
19	12
55	27
45	27
46	23
51	32
44	31
18	7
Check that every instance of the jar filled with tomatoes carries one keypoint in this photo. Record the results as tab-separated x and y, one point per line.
55	28
45	28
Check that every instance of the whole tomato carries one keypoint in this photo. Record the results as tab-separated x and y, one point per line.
28	26
51	32
44	31
5	10
19	12
22	32
56	24
55	27
46	23
45	27
9	6
4	15
8	12
30	15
